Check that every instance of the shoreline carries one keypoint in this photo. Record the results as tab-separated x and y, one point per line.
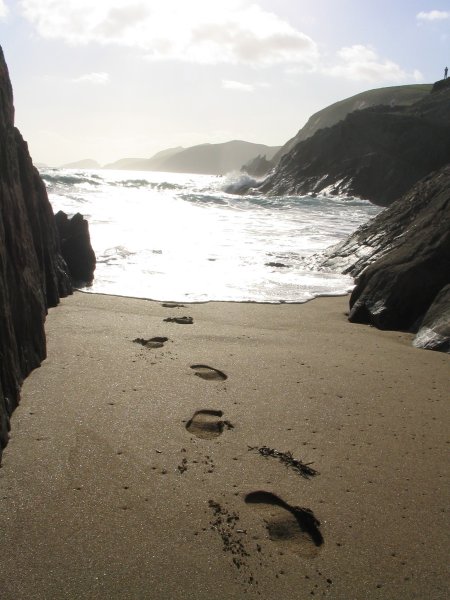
194	302
119	481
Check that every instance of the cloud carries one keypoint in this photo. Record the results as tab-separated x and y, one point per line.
94	78
201	31
3	10
362	63
433	15
228	84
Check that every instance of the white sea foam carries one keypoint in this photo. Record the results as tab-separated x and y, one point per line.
239	183
182	237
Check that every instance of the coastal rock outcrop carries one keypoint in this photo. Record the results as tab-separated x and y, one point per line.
33	274
434	332
76	247
377	153
401	260
398	95
257	167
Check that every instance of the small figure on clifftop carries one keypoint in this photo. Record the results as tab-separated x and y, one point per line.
445	72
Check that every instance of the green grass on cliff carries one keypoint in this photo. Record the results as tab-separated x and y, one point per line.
400	95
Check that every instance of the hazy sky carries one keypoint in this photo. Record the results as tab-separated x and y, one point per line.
107	79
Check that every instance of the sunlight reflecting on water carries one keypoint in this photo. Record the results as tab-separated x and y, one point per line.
181	237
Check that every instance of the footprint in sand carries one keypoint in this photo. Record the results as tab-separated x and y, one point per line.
180	320
155	342
209	373
207	424
297	529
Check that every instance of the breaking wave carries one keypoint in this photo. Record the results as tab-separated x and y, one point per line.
241	184
69	179
185	237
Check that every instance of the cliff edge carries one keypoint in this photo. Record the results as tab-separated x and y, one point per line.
376	153
33	274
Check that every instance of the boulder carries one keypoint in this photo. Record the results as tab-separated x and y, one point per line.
33	273
76	247
434	331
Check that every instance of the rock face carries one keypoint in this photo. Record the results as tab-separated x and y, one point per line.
76	248
377	153
33	274
257	167
401	259
399	95
434	332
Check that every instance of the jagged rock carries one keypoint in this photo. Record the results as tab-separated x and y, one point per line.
33	274
409	260
386	231
376	153
434	332
257	167
76	247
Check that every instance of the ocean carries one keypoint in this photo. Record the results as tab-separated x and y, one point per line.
186	238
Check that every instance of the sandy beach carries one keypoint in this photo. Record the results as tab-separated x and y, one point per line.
132	475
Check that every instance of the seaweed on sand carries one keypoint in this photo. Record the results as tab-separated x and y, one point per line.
303	469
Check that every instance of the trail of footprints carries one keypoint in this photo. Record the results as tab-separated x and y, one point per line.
293	528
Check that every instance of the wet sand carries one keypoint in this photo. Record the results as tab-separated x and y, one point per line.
134	469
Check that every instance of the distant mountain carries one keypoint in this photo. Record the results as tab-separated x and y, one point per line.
401	95
216	159
144	164
208	159
86	163
125	163
376	153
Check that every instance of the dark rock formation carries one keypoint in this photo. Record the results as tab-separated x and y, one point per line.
33	274
434	332
398	95
277	265
76	247
377	153
401	258
258	167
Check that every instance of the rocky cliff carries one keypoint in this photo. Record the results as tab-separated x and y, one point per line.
399	95
33	274
376	153
401	261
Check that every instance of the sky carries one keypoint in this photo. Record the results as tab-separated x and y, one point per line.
108	79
